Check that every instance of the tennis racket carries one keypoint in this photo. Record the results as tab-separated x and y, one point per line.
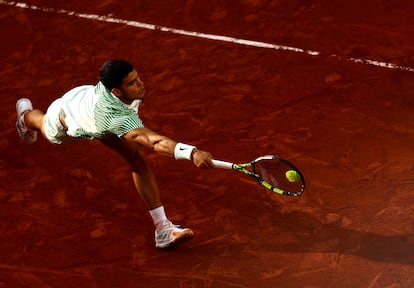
274	173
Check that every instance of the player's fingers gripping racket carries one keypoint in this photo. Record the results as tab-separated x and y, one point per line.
274	173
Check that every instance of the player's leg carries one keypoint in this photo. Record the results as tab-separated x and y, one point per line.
51	125
29	120
34	119
166	233
142	175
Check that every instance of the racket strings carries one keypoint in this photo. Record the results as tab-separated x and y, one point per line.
274	173
267	175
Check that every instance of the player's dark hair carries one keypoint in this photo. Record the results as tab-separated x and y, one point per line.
113	71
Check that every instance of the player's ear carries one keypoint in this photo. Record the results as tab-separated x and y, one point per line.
116	92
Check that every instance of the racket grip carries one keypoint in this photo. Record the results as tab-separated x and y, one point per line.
222	164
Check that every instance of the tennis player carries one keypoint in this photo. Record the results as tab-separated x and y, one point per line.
108	111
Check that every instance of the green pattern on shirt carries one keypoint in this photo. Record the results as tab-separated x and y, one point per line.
112	116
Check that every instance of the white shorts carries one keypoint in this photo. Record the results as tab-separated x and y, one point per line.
54	129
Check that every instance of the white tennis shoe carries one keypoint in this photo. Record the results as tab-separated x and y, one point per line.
27	134
171	234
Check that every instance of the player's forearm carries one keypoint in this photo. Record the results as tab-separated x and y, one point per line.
168	147
159	143
151	140
163	145
171	148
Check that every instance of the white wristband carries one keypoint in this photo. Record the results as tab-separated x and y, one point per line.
183	151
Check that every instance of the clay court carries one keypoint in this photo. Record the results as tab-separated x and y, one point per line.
333	92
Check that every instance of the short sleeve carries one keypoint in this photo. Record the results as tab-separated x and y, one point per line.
121	125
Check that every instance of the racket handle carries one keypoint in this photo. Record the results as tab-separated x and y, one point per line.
222	164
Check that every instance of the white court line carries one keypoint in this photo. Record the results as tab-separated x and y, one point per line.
259	44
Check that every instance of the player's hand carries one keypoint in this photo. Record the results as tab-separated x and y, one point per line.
202	159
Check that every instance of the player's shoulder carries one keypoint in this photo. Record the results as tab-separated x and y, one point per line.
83	89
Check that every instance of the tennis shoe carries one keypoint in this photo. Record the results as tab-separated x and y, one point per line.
27	134
170	234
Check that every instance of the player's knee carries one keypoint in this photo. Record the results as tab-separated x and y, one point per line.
139	162
140	166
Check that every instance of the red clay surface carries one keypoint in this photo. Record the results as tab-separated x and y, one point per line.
70	216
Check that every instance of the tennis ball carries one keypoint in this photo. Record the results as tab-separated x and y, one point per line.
292	176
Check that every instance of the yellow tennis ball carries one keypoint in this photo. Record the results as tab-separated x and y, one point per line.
292	176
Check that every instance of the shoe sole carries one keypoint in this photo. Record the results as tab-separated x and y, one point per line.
187	234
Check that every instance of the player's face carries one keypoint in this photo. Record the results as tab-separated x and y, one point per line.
132	87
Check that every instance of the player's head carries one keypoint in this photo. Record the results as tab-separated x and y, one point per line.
113	72
121	78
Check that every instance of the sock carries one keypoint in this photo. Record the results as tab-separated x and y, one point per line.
158	217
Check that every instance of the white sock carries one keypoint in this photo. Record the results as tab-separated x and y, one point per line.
158	217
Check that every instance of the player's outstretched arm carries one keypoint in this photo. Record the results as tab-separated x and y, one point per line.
150	139
168	147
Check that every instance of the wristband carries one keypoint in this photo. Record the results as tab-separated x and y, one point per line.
183	151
